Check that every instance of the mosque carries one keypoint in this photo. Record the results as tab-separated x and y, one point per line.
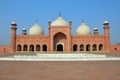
60	39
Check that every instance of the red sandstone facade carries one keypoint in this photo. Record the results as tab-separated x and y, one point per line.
59	38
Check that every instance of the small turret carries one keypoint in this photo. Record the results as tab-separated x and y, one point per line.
96	31
24	31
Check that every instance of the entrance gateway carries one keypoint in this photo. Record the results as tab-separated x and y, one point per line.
59	47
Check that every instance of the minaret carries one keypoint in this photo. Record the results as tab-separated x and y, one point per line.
106	35
49	24
106	28
13	37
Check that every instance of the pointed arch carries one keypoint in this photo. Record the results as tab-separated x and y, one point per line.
81	47
115	49
44	47
100	47
37	47
94	47
59	47
59	38
88	47
31	47
19	48
75	47
25	47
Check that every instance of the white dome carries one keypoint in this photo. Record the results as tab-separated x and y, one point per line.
59	22
23	29
95	28
106	21
13	22
36	30
83	29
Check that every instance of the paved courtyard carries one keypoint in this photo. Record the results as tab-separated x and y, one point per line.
61	70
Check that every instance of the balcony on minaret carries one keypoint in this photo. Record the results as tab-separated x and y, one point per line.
13	24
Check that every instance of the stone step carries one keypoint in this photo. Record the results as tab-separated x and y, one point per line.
58	57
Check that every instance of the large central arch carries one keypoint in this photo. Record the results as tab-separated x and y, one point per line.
59	41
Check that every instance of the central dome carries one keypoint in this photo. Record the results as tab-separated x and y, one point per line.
36	30
59	22
83	29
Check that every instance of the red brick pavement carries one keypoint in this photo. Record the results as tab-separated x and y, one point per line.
92	70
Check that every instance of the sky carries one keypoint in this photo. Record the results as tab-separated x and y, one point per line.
26	12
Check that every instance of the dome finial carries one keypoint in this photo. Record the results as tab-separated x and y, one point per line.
82	20
36	20
59	14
